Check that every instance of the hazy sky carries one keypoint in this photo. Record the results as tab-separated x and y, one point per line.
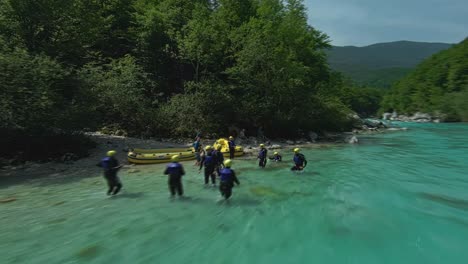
364	22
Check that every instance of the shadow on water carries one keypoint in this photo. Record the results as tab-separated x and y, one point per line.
242	201
129	195
233	201
446	200
41	178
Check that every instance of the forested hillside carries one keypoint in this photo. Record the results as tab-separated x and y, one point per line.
381	64
166	68
439	85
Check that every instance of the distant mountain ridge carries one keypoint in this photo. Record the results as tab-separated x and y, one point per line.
381	64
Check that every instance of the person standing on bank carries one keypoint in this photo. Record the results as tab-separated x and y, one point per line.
197	148
232	147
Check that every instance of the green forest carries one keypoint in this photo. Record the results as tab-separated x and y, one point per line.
439	86
165	68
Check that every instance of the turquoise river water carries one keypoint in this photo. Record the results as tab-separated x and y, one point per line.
399	197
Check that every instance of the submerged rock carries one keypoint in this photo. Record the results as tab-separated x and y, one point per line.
8	200
266	191
89	252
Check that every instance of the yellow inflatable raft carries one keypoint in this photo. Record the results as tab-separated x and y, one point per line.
224	143
152	156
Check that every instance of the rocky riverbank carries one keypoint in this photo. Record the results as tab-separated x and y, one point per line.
416	117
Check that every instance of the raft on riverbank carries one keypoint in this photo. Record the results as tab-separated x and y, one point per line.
154	156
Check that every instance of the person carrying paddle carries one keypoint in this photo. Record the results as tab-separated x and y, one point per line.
111	166
299	160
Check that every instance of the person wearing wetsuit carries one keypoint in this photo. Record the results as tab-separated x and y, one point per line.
219	158
209	162
299	161
197	148
111	165
175	171
276	157
262	156
227	180
232	147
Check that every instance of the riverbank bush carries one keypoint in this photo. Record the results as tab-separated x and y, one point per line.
19	146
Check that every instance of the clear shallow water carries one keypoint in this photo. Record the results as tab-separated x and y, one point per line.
395	198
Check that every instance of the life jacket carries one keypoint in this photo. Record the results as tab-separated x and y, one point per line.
262	154
174	168
299	159
226	175
210	160
108	163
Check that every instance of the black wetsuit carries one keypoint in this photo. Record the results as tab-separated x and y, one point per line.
111	166
232	148
209	161
299	162
227	178
175	172
219	157
262	156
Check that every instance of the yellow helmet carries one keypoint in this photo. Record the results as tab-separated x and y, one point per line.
276	153
297	150
231	137
227	163
208	148
111	153
262	145
175	158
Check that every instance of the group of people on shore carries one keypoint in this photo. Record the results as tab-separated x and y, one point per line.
209	158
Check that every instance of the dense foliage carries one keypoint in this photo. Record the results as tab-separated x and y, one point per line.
380	65
168	68
439	85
